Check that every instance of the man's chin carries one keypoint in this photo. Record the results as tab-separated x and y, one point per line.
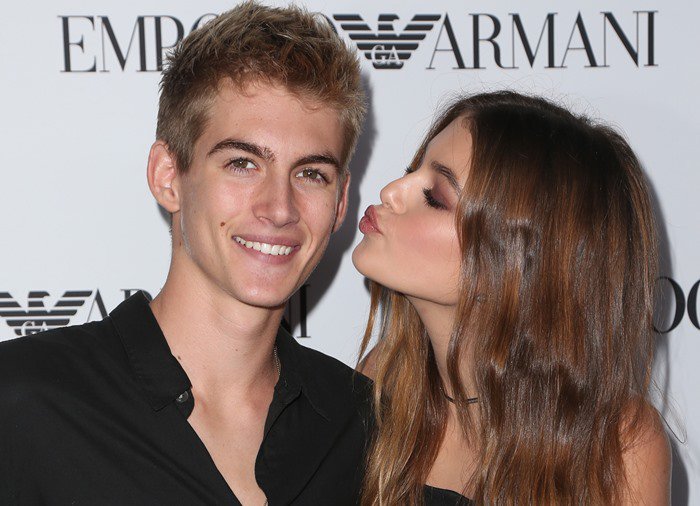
271	305
268	293
268	300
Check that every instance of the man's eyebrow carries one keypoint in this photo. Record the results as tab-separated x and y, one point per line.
259	151
323	158
449	175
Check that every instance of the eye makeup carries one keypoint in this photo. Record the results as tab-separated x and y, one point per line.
431	201
433	198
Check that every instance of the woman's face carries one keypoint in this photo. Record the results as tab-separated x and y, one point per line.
410	242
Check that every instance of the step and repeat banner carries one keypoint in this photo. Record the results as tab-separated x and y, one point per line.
78	99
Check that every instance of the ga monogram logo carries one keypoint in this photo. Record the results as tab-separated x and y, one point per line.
36	317
386	48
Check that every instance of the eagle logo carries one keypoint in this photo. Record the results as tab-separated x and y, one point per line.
36	317
386	48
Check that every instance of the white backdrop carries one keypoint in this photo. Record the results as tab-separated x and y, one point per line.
78	101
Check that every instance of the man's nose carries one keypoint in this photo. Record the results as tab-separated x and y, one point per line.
275	201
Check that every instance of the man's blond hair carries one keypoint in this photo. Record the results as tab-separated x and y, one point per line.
288	46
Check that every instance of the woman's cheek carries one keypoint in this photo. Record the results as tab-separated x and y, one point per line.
432	242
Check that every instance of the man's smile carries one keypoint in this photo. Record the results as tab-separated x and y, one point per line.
264	247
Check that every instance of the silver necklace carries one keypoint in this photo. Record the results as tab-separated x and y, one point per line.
276	357
278	366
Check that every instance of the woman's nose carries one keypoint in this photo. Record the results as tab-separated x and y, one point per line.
392	195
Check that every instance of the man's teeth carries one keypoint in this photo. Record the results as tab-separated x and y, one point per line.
263	247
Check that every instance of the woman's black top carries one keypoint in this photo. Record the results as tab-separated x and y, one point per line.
442	497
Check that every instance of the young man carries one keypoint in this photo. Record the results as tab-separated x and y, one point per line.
200	397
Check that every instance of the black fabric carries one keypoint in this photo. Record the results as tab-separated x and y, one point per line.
442	497
97	415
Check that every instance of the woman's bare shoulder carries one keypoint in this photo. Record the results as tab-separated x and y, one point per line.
647	459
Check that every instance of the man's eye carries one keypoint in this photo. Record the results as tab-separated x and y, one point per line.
313	175
242	164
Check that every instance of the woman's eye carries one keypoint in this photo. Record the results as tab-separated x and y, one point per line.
312	175
431	201
242	164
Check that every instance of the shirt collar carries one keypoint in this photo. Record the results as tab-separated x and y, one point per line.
160	375
296	369
163	379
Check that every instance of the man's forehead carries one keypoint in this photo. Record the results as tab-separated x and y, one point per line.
230	90
274	120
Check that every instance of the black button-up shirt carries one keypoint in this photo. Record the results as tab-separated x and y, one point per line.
97	415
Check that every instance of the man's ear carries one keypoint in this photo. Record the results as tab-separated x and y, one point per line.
342	206
163	178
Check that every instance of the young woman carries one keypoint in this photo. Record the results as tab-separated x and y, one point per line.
513	268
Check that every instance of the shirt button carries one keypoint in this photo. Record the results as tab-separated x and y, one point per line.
183	397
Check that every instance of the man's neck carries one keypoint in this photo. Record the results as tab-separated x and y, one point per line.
224	345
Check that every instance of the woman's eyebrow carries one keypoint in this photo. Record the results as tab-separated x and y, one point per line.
447	173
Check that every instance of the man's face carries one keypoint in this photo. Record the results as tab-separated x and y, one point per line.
262	196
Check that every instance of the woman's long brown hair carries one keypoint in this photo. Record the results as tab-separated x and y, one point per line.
555	313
